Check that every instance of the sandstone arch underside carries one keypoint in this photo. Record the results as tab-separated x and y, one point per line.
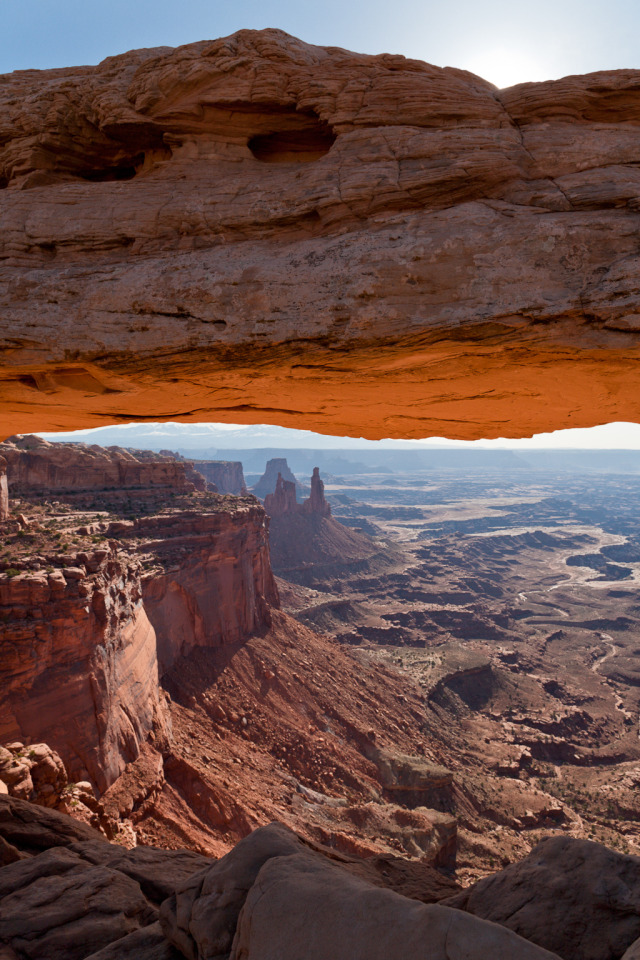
258	230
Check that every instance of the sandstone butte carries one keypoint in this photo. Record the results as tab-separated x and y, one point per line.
254	229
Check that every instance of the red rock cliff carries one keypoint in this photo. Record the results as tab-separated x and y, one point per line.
78	663
283	499
4	490
211	581
36	467
227	475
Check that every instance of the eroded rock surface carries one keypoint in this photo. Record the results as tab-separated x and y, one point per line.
306	542
574	897
79	662
226	475
36	467
254	229
274	896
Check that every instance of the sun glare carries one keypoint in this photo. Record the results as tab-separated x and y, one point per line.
506	66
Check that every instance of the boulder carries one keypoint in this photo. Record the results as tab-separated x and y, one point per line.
148	943
574	897
158	872
31	829
302	906
633	953
200	918
56	907
275	897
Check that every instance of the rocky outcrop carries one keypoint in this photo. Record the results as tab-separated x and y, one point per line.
283	500
78	663
37	468
69	894
4	490
275	897
573	897
316	505
226	475
211	581
275	468
414	781
34	773
383	247
306	541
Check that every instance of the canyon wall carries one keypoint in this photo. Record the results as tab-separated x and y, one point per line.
226	475
380	247
4	490
78	663
82	629
36	467
211	583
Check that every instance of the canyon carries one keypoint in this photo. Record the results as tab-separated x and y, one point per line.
229	728
254	229
433	731
143	641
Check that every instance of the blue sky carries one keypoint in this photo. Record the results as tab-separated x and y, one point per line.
507	42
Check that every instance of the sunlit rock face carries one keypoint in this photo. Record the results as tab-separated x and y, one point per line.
254	229
79	663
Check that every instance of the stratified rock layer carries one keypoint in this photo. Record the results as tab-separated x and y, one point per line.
79	663
36	467
254	229
215	585
226	475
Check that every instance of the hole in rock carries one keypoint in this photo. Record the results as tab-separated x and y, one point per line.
120	172
294	146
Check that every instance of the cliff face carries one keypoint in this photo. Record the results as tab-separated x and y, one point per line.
381	247
211	583
78	649
4	490
227	475
78	662
36	467
306	541
275	468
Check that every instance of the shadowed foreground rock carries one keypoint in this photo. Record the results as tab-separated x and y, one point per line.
275	898
575	897
254	229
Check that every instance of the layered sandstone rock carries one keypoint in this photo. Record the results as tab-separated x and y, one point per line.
36	468
306	541
226	475
4	490
275	468
78	662
211	583
379	247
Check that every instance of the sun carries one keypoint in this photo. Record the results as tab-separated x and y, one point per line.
506	66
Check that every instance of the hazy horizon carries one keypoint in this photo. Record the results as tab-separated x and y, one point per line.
616	436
